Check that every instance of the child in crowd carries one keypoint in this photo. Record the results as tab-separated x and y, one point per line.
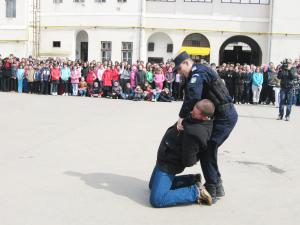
55	75
82	87
148	92
132	77
65	74
107	82
159	78
165	96
128	92
96	91
75	75
91	77
138	93
20	77
156	94
117	92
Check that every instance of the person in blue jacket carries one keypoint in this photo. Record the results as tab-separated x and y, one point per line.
257	82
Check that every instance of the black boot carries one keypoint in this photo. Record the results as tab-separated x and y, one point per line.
212	190
220	189
197	178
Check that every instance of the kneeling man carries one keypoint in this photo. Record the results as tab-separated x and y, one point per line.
180	149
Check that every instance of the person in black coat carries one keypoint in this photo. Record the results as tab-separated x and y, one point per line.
178	150
140	78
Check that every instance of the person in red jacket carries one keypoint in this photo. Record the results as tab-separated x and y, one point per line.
91	77
115	74
107	81
55	75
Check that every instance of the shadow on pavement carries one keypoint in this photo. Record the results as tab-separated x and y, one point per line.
130	187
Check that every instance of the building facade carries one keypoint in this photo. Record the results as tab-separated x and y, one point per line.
245	31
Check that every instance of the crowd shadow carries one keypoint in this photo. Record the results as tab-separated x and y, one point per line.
130	187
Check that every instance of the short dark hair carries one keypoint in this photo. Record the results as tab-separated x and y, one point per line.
207	107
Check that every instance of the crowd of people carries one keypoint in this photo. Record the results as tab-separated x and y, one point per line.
247	84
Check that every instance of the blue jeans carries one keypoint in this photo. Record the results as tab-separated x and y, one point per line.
286	98
20	85
170	190
223	125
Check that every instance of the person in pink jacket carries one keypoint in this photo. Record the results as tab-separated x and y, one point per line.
75	75
159	78
132	77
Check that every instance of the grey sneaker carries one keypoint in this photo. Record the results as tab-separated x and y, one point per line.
204	196
279	118
287	118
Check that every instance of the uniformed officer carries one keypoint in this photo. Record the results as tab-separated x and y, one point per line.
202	82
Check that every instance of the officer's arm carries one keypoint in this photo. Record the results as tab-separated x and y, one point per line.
194	94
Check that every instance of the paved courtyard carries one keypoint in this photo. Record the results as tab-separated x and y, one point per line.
83	161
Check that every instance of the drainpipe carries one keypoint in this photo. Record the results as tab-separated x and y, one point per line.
271	28
141	25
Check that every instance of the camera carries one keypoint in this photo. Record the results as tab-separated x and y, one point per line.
285	64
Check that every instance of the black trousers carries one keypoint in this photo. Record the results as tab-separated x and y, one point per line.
238	93
223	125
45	87
30	87
13	84
247	93
37	87
270	94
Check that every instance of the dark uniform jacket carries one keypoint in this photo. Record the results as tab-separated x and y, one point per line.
180	149
202	83
288	78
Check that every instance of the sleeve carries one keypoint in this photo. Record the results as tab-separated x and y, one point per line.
194	89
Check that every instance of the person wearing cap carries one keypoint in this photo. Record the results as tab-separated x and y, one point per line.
287	75
204	82
178	150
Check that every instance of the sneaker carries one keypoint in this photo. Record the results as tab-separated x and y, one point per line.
279	117
204	196
212	190
287	118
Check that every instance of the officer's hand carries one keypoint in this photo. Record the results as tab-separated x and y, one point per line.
179	124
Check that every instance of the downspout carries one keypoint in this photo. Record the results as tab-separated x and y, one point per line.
141	26
271	28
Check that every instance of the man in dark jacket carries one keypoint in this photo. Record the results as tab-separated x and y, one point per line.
288	76
180	149
140	78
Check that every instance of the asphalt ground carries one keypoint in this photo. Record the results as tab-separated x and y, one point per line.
85	161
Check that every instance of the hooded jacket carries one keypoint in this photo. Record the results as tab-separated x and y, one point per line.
180	149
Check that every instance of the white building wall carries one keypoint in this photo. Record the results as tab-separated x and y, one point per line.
286	26
14	31
117	22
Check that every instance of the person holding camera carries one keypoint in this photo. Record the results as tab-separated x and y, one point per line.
287	74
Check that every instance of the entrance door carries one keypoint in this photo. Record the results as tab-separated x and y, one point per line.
84	51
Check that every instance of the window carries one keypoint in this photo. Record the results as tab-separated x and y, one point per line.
208	1
100	1
79	1
261	2
150	47
127	51
105	50
56	44
170	48
122	1
57	1
10	8
161	0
